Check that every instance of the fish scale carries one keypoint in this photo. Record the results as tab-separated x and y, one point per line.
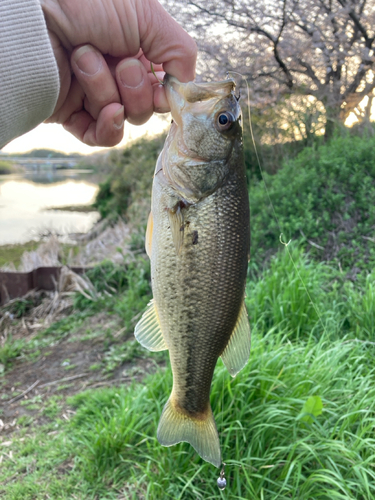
198	241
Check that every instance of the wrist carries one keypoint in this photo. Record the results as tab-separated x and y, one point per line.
29	83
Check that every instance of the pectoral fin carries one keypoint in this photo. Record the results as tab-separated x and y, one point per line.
176	221
148	331
237	352
150	227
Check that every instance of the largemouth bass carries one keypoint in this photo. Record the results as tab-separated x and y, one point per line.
198	240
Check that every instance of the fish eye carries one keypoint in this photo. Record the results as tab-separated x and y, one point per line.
224	121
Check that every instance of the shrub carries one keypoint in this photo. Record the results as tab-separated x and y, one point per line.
326	196
6	167
131	178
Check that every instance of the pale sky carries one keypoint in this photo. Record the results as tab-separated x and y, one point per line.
53	136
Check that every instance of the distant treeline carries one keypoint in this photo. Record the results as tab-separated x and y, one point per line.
43	153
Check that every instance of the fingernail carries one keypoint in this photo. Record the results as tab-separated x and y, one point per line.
162	110
130	73
87	60
118	118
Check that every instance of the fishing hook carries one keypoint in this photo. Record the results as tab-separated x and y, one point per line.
221	481
283	242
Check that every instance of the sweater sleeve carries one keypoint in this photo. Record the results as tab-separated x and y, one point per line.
29	76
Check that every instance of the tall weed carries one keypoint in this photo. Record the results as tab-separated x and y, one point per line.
360	307
326	195
271	452
294	294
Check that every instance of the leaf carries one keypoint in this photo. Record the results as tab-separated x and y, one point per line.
313	407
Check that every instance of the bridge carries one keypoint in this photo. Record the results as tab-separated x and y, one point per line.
38	162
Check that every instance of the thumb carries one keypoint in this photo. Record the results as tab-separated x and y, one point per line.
165	42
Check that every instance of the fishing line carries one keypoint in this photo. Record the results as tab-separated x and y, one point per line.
221	481
272	205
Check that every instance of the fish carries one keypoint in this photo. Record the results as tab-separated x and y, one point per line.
198	241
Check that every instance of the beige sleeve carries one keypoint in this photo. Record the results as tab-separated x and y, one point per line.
29	77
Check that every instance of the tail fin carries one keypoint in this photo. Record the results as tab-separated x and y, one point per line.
175	426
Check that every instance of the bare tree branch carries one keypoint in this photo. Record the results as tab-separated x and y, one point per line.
319	48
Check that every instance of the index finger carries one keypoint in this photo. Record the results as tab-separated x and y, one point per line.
95	78
165	42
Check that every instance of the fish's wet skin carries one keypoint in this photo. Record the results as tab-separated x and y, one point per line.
198	240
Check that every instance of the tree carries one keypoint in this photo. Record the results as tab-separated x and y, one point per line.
323	49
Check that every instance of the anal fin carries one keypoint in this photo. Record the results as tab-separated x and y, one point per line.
148	331
237	352
175	426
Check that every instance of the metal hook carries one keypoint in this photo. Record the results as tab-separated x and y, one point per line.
283	242
222	482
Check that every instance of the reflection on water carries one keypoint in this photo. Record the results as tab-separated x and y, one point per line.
50	176
24	199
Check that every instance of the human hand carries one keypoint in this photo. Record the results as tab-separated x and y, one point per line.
103	50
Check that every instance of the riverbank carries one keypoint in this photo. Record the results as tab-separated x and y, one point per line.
8	168
74	208
13	253
105	241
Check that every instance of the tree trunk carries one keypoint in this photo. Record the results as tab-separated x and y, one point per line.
332	121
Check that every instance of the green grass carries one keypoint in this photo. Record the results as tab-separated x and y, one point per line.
13	253
270	451
325	195
121	291
273	448
9	350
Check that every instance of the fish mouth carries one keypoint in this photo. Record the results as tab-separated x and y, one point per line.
208	93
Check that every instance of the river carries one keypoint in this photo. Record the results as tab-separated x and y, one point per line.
25	199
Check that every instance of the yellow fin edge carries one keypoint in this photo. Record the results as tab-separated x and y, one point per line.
175	426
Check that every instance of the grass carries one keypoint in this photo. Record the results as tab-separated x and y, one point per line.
13	253
270	451
121	291
325	195
297	422
9	350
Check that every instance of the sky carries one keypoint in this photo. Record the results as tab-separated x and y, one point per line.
53	136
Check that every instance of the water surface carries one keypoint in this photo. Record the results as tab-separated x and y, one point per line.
25	198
